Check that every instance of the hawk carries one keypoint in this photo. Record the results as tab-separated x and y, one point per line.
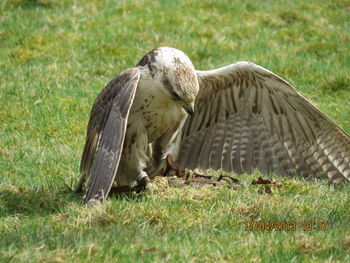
240	118
145	105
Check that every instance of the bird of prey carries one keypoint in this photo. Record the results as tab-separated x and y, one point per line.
145	105
244	118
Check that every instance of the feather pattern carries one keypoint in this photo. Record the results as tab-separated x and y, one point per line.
105	135
248	118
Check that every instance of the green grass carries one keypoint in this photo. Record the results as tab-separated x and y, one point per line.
55	56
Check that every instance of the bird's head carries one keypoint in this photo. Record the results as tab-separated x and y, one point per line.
175	73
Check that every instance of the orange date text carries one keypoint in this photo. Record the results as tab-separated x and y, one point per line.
285	225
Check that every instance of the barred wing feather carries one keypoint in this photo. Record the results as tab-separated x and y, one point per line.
248	118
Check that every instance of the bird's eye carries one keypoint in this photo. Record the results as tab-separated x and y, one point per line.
175	96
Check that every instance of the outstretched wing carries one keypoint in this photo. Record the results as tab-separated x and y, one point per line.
105	134
248	118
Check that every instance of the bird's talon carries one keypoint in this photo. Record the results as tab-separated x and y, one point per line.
142	182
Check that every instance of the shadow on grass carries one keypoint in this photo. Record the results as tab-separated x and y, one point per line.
125	192
43	201
34	201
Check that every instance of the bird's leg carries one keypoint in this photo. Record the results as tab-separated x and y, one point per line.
158	163
135	155
160	150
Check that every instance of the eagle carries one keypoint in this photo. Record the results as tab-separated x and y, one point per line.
238	118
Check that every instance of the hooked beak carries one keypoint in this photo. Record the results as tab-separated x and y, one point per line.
189	108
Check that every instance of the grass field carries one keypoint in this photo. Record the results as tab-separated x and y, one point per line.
55	56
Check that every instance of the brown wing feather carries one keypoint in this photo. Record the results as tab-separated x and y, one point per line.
105	134
248	118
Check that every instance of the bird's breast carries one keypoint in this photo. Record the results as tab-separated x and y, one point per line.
161	118
159	112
